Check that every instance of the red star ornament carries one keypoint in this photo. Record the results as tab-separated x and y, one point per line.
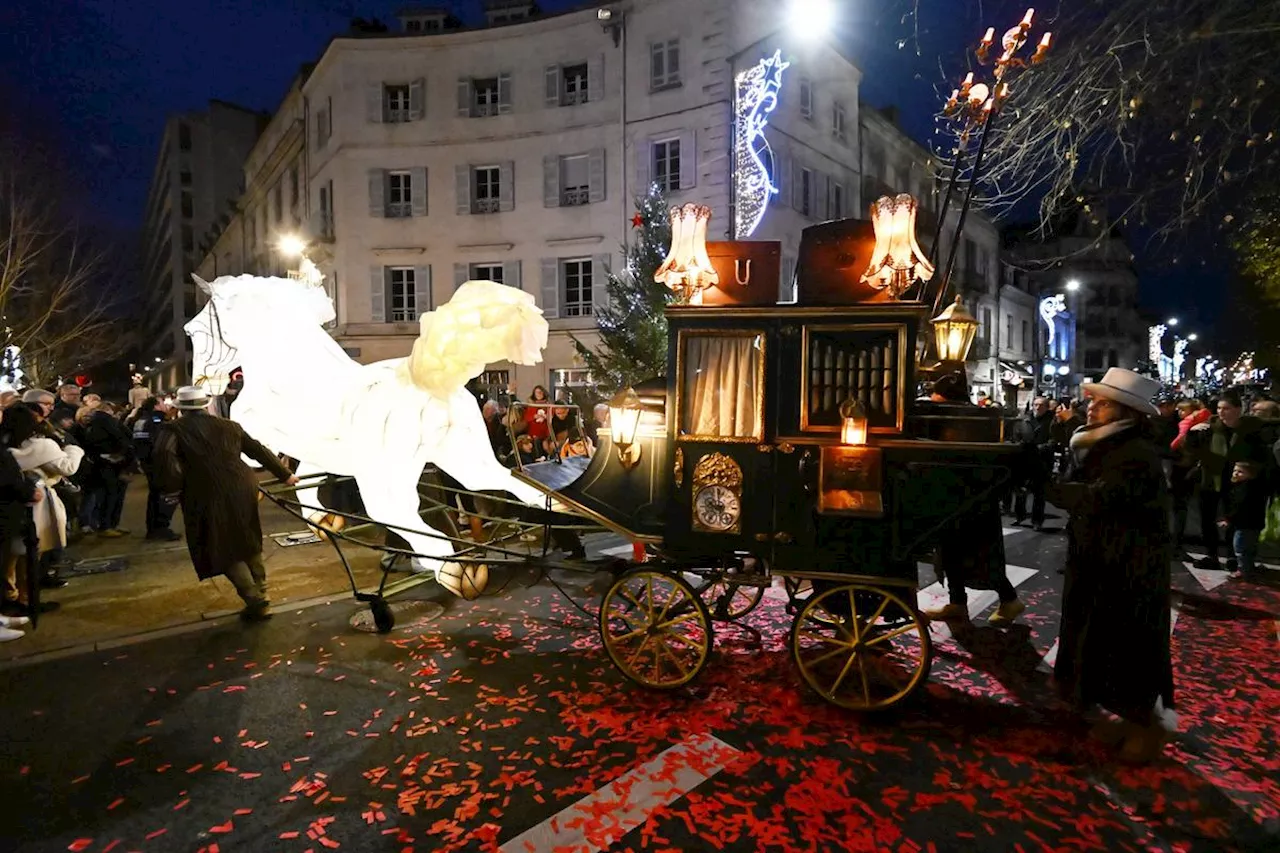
637	221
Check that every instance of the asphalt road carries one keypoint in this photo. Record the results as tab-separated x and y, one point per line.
501	725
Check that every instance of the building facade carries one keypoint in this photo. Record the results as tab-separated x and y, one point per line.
1000	359
514	152
1083	271
198	172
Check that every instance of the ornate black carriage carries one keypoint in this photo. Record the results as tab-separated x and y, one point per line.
787	451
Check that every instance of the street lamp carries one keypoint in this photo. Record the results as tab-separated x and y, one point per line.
1192	336
1171	322
1073	285
812	18
291	245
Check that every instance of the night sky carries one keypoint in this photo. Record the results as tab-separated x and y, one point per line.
97	77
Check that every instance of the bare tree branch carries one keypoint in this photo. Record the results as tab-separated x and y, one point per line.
54	307
1161	111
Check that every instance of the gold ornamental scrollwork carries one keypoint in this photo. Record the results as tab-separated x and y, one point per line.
716	469
678	469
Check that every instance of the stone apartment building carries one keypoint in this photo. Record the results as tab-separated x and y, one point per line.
1000	360
198	172
514	151
1084	251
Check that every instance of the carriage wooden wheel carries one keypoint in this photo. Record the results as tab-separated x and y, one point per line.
727	601
860	646
655	629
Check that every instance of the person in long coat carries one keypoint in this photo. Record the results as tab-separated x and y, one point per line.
199	456
1114	637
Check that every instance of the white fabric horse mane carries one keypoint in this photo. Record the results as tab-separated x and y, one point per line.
380	423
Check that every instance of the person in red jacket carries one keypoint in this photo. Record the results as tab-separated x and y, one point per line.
537	415
1182	480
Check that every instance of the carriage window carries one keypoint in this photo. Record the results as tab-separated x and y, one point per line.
861	363
722	386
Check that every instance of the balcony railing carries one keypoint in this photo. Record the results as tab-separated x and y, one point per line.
485	205
575	196
397	116
483	110
569	99
399	209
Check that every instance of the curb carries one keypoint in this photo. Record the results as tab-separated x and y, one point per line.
207	620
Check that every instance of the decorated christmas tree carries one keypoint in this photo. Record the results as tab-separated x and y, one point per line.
633	331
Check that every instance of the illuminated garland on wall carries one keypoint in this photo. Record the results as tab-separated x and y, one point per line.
757	97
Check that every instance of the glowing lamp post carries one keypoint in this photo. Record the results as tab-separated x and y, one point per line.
687	269
953	332
897	260
624	423
853	423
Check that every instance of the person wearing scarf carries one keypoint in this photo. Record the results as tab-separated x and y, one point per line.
1114	637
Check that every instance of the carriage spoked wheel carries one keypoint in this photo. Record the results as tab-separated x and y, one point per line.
861	647
727	601
655	629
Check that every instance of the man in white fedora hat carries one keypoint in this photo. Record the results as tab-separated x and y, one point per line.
1114	637
199	456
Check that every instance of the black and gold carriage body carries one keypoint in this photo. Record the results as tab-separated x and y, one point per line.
743	476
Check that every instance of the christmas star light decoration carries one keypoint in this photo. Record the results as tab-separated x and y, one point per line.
757	98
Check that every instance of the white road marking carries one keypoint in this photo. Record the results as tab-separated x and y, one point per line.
1210	579
935	595
601	819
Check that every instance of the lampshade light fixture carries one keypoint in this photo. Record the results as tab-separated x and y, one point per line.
624	424
853	423
953	332
897	260
688	269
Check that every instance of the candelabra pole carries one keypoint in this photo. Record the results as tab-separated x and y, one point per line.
964	209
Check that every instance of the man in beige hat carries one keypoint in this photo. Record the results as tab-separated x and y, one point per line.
1114	637
198	455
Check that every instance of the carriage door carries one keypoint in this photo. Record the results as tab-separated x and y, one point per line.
722	478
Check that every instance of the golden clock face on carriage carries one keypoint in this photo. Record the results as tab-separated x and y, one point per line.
716	509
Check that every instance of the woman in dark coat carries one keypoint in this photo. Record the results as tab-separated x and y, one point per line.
1114	637
199	456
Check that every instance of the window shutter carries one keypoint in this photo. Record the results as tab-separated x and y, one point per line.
417	100
464	96
418	190
377	295
550	288
462	184
595	78
553	86
599	280
504	93
461	274
644	161
797	184
373	103
511	274
814	198
824	194
378	192
506	186
422	289
551	180
596	175
688	160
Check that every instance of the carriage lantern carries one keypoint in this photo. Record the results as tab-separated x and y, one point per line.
953	332
624	422
853	430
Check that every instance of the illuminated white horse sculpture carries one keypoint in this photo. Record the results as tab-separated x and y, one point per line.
379	423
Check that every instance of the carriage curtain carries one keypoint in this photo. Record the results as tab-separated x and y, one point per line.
721	385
